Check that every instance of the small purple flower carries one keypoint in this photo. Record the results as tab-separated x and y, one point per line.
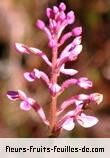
36	74
26	103
84	83
12	95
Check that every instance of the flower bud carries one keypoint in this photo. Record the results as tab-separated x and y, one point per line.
96	97
77	31
40	24
62	6
70	17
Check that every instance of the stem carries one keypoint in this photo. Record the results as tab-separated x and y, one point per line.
54	77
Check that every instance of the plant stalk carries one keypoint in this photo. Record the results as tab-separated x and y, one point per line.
54	77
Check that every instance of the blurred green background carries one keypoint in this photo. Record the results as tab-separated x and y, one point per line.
17	24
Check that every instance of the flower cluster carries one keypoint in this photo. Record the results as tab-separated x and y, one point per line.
58	20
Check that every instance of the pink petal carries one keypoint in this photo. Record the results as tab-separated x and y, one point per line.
22	95
68	55
27	50
82	97
87	121
61	17
67	116
65	51
20	48
78	102
68	124
47	31
65	37
29	76
31	101
70	17
76	51
78	48
55	10
40	24
41	113
41	54
77	31
37	73
49	12
62	27
70	72
83	82
68	83
44	77
24	105
62	6
77	41
67	103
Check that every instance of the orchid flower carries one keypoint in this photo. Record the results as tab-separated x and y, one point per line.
77	115
58	21
27	103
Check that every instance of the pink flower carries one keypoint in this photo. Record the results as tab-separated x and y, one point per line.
81	99
36	74
21	48
27	103
82	82
68	121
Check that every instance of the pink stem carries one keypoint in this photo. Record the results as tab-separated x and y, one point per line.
54	77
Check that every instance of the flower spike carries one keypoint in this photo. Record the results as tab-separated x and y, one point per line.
58	20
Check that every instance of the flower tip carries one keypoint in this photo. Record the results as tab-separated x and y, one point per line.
83	82
40	24
19	47
96	97
12	95
48	12
36	73
62	6
70	17
29	76
77	31
55	9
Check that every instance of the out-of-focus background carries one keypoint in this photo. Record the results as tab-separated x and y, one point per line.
17	24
